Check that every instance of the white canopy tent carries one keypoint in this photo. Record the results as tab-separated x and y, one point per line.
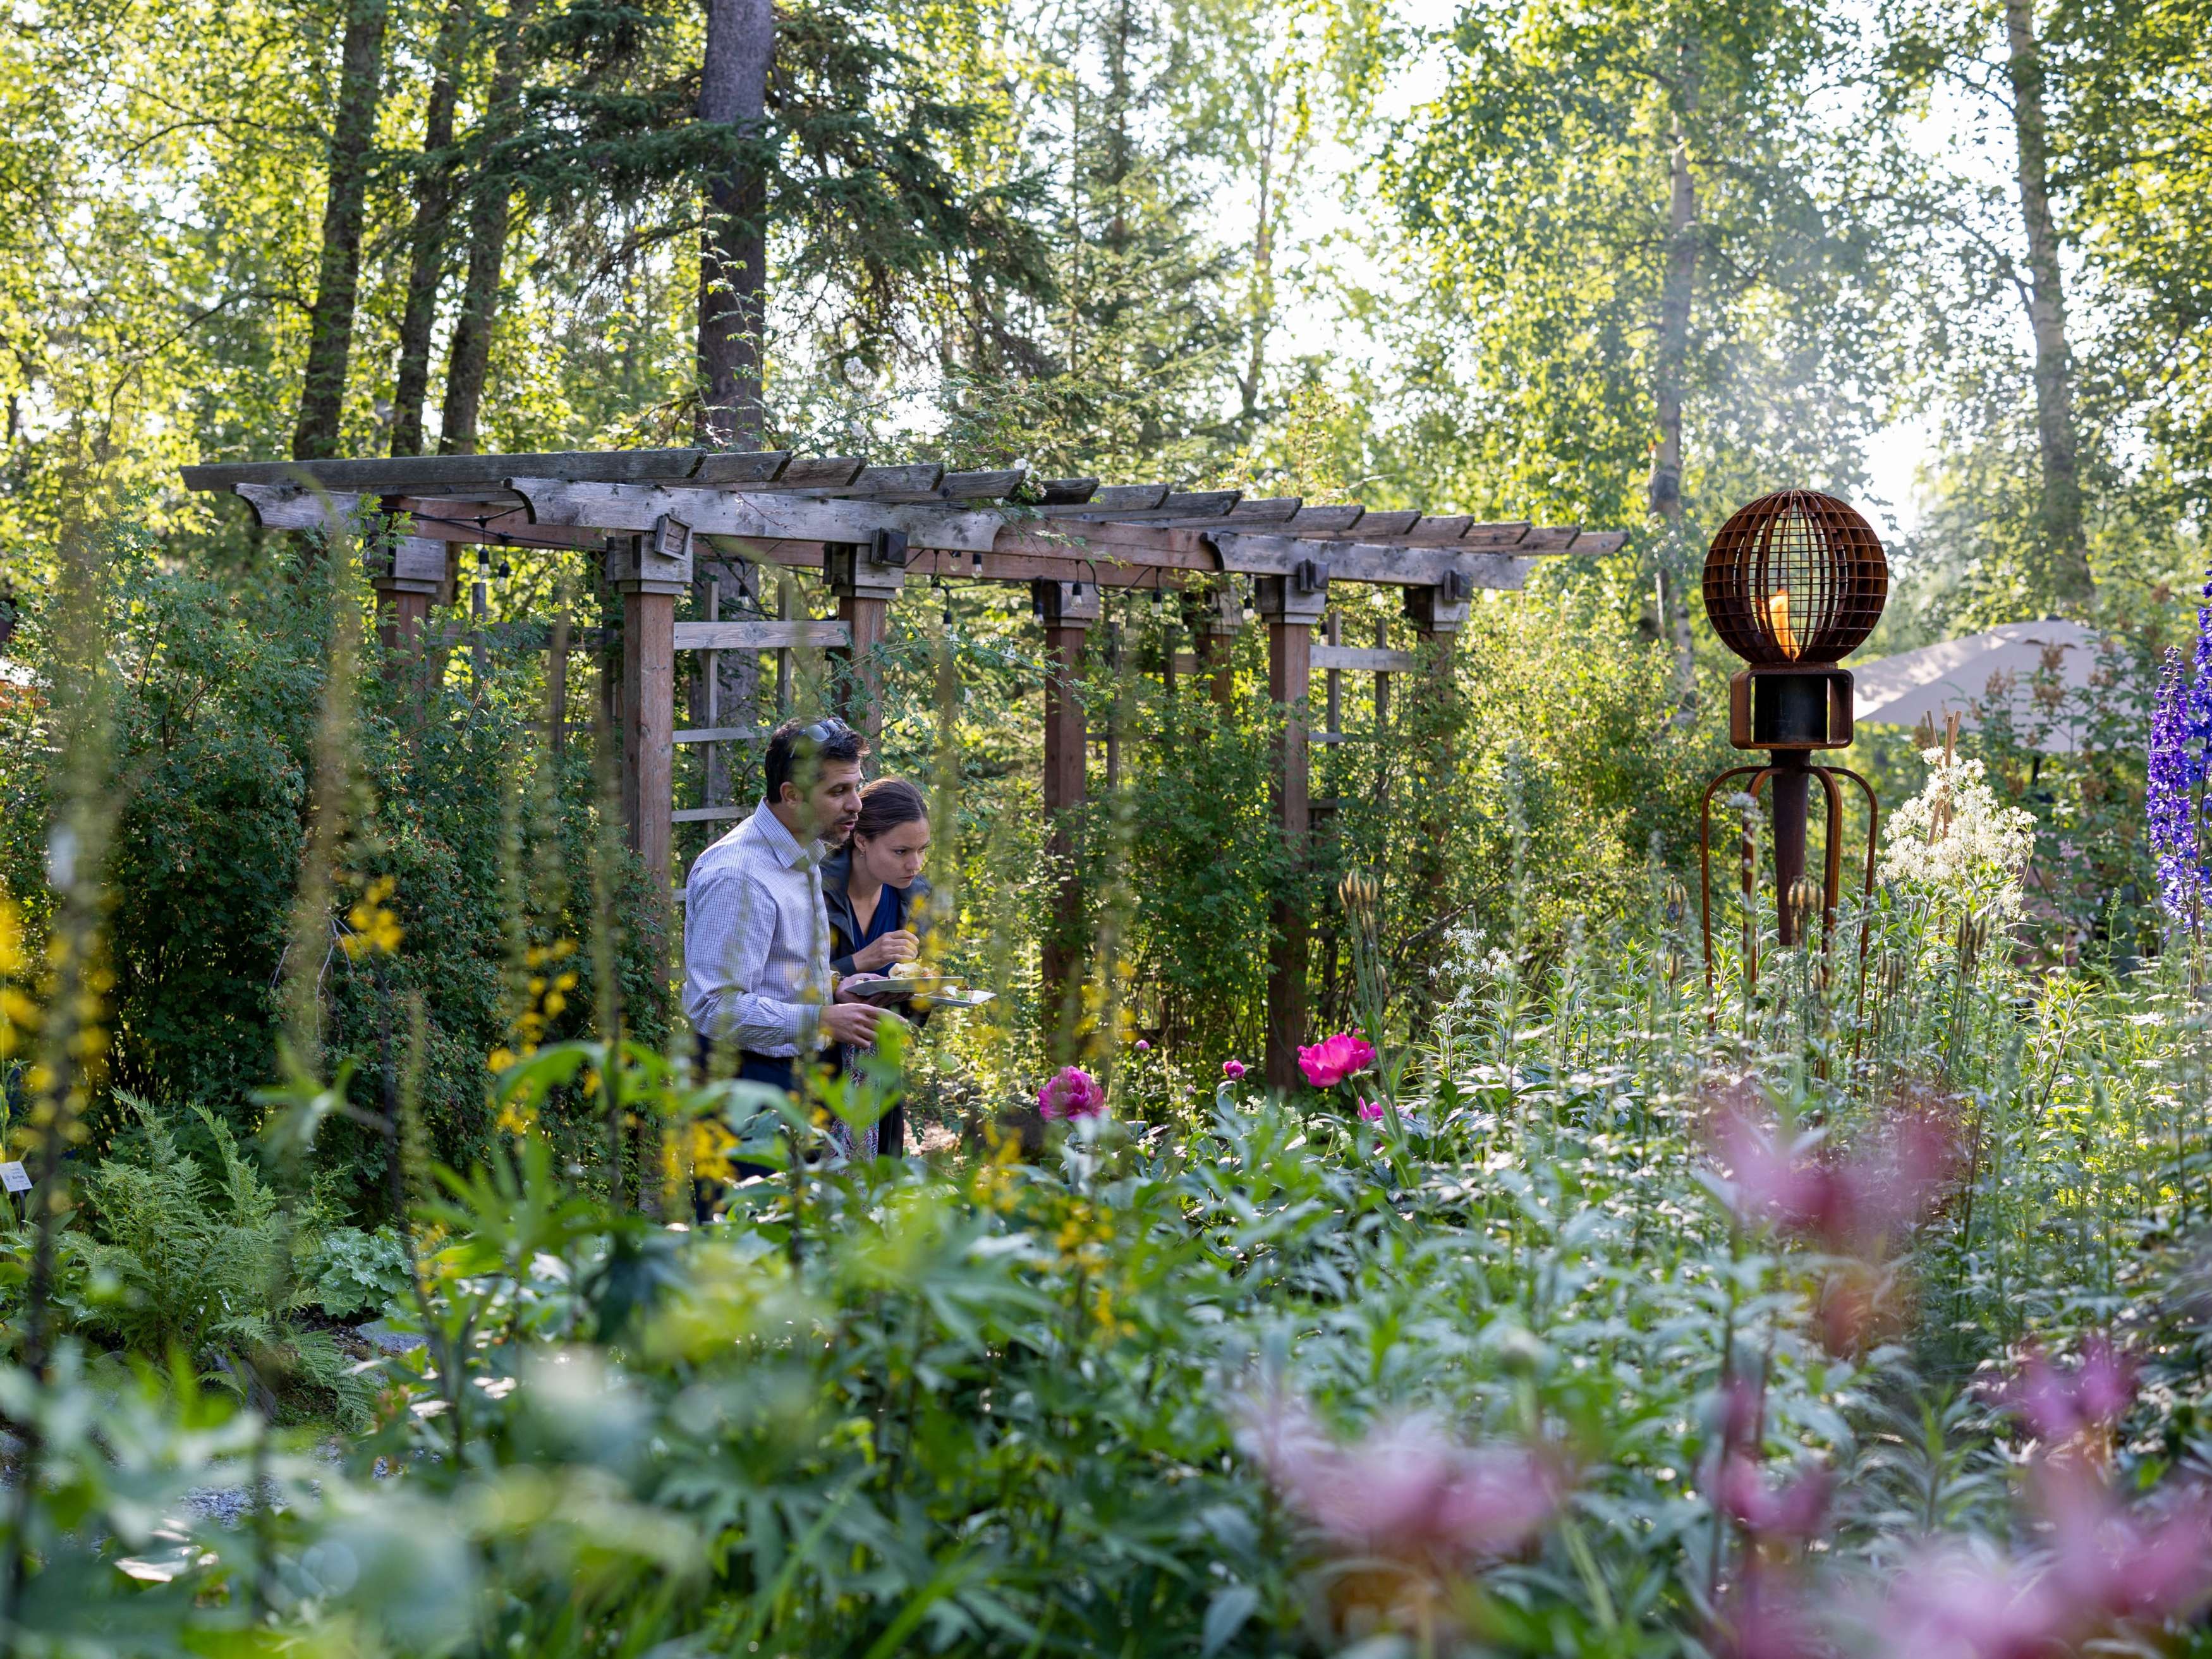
1973	675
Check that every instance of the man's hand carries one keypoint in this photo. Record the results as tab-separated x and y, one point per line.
852	1022
900	945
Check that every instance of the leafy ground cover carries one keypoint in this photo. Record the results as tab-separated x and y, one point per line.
1616	1318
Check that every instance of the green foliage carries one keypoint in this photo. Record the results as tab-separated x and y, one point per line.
1009	1369
220	674
347	1272
176	1259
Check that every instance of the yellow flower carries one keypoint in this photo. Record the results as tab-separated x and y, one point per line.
500	1058
375	929
517	1119
708	1145
12	960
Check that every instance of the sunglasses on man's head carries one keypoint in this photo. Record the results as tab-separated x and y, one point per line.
825	731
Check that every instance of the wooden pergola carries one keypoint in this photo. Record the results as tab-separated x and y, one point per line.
868	530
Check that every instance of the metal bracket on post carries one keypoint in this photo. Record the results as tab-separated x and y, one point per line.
1441	609
1300	597
413	564
642	564
854	570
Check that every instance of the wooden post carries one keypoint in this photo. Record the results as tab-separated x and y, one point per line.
1215	629
1068	609
787	607
1381	684
556	683
1437	613
649	581
865	588
1113	727
1334	728
1291	605
406	585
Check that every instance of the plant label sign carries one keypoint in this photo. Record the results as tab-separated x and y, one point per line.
15	1177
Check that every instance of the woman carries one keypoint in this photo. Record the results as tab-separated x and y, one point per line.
871	888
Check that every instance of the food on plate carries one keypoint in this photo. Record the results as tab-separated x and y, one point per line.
912	970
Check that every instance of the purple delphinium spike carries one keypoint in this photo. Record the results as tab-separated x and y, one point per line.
2167	795
2197	711
2180	743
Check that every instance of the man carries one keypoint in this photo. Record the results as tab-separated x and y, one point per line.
755	936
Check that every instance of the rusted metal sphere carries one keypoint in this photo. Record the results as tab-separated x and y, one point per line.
1796	577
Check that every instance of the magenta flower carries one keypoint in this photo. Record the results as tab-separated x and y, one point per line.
1847	1206
2057	1405
1371	1110
1407	1490
1072	1093
1143	1046
1330	1062
1794	1509
1233	1070
2107	1562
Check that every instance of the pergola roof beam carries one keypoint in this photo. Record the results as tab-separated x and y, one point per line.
445	475
1366	561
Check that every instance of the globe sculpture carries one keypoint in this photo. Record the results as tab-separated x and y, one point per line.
1794	583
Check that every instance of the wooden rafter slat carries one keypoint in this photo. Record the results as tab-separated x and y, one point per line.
819	472
1549	538
1114	499
915	482
995	485
1496	537
762	467
445	475
1057	492
1327	520
1193	507
1376	527
1601	542
1273	510
1439	531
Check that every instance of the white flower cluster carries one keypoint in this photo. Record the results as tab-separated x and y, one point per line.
1954	842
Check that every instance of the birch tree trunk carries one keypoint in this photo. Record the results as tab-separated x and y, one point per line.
1678	289
2065	546
434	203
733	241
488	225
338	278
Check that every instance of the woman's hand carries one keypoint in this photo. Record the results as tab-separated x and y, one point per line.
898	946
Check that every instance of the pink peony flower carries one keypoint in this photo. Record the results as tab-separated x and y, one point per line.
1793	1510
2107	1562
1233	1070
1332	1060
2056	1404
1407	1490
1849	1205
1072	1093
1371	1110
